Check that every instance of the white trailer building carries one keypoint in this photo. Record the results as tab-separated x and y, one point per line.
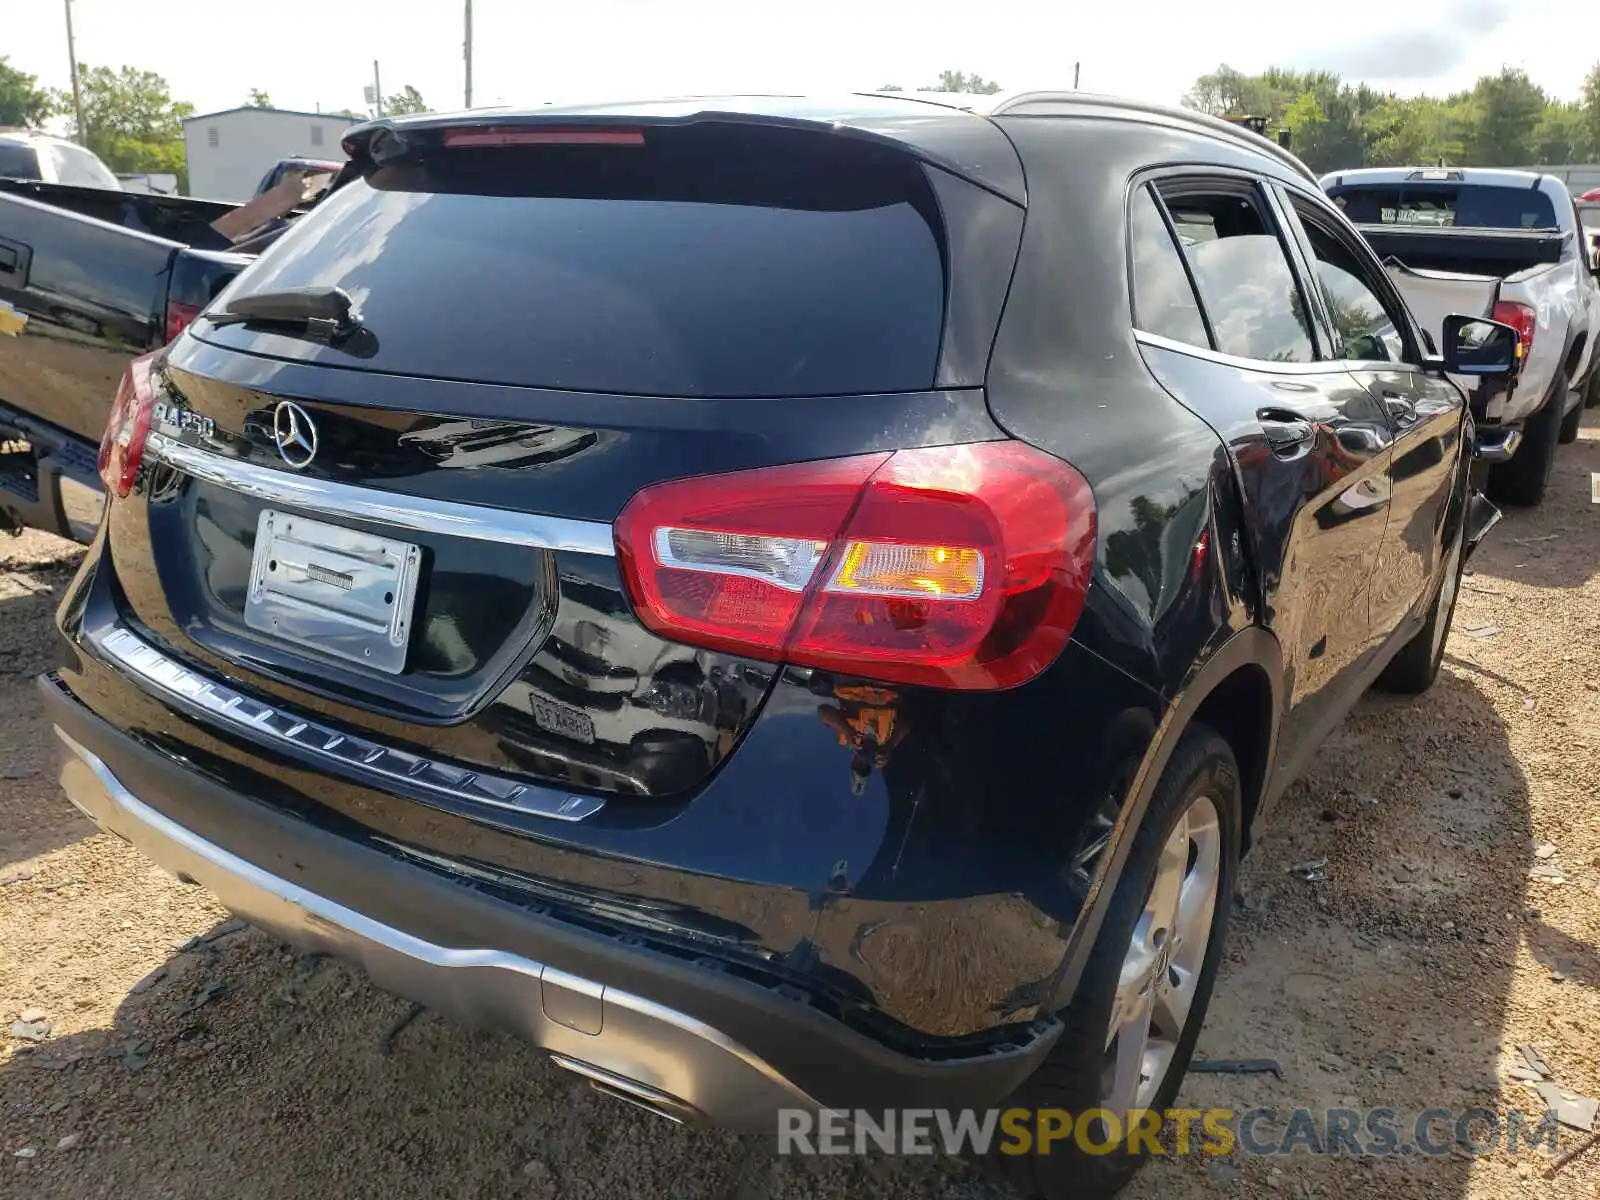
228	152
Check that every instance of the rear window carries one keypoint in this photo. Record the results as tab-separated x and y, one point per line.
18	161
710	260
1477	206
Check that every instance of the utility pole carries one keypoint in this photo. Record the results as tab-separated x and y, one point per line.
377	91
466	52
72	64
1075	67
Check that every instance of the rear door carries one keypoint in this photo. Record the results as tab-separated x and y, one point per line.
1370	332
1309	443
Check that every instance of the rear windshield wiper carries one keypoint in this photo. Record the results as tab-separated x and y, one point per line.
319	314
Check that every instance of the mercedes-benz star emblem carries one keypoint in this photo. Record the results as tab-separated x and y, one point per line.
295	434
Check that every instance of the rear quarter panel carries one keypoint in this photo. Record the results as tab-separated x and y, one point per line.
1560	302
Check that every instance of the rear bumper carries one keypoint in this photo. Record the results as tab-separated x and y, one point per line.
690	1042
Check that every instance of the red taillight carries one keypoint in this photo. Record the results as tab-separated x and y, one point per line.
1523	319
179	316
542	137
122	447
959	566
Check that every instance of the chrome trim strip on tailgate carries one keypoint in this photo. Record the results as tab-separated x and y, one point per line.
396	509
356	755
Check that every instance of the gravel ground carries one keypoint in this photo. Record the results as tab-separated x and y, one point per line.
177	1067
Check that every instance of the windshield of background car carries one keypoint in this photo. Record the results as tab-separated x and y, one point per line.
1471	205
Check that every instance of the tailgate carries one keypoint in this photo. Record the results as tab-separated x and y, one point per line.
1434	295
408	536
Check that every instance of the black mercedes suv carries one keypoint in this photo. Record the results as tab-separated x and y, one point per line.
781	603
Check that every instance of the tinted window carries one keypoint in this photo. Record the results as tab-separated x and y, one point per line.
1363	329
79	168
709	261
1163	300
1440	204
18	161
1245	281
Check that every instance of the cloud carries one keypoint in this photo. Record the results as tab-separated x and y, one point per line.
1418	52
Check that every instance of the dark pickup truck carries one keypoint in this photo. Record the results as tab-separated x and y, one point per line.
89	279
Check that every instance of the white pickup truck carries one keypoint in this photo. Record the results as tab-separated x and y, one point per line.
1503	244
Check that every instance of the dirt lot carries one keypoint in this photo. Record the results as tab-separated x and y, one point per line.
1406	977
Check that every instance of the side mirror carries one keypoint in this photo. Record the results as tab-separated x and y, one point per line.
1480	347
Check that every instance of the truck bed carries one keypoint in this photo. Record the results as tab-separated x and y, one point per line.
1498	253
175	218
98	285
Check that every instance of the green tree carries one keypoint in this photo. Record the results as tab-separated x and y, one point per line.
406	100
1589	105
960	81
130	120
1560	136
22	100
891	87
1508	107
1505	120
259	99
1226	92
1403	132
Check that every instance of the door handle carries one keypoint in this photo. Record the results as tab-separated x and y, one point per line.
1401	406
1285	430
15	258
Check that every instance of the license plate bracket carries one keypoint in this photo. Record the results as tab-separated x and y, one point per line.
332	590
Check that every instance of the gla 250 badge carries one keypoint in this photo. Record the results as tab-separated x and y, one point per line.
173	418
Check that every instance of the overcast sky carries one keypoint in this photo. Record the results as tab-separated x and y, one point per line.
306	53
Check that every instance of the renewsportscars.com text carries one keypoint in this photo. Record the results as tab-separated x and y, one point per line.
1361	1133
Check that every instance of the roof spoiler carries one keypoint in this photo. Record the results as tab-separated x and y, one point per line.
373	143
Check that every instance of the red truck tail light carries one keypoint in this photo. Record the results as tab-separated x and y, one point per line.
960	567
1520	317
122	447
178	317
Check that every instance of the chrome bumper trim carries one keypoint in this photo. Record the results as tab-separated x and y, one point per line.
670	1061
395	509
355	755
1496	443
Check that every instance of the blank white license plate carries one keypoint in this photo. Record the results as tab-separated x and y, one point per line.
333	590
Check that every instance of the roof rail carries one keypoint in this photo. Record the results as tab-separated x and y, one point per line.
1019	103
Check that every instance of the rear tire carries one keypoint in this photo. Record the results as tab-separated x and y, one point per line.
1413	670
1591	398
1522	481
1570	423
1200	790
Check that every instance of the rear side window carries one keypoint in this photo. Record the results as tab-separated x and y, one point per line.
706	260
1437	205
1245	281
18	161
1163	299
